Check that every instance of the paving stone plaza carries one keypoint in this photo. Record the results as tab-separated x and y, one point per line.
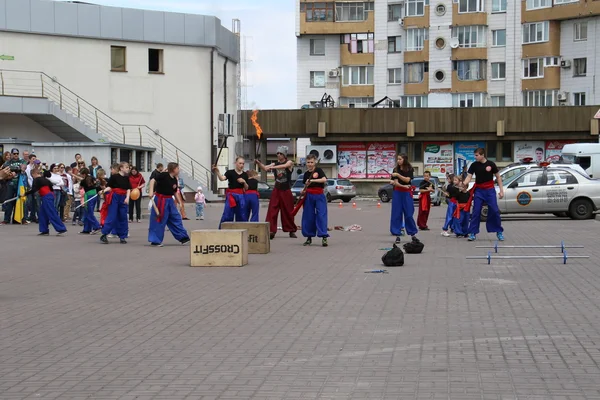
82	320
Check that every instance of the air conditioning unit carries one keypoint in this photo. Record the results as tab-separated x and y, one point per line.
333	73
326	154
563	96
401	21
565	64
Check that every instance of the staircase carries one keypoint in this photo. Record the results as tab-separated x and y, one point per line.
72	118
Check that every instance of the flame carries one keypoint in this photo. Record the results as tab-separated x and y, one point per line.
254	120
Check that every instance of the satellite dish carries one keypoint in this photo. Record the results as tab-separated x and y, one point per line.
454	43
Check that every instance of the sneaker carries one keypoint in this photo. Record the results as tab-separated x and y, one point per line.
123	241
424	229
398	240
308	242
156	244
111	236
94	231
84	233
500	236
61	233
445	234
293	235
472	237
185	219
197	218
185	241
103	239
3	223
25	222
137	221
131	221
44	234
272	236
201	218
74	223
324	242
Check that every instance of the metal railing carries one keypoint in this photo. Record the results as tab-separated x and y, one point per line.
40	85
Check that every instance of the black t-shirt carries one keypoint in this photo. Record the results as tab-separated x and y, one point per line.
408	174
311	175
283	177
39	183
460	196
88	184
484	172
118	181
425	185
165	184
252	184
232	178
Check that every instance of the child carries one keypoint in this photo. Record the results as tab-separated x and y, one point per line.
200	203
48	213
90	190
77	212
235	204
119	187
425	190
460	220
452	181
251	197
314	214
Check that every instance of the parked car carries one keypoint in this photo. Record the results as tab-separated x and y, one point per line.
385	192
340	189
264	190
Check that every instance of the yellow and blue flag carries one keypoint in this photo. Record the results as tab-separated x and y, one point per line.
20	202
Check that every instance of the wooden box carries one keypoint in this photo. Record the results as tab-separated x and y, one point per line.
219	248
259	241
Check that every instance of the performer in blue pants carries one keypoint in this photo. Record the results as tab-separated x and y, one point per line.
162	188
251	197
47	213
484	192
314	213
462	209
402	199
118	209
235	204
90	223
452	203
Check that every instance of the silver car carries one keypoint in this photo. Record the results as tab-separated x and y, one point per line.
558	191
340	189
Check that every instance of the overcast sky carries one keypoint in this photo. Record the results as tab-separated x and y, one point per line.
268	26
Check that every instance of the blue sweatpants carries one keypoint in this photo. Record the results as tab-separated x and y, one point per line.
170	218
252	206
117	218
402	206
314	216
90	223
48	215
494	222
460	226
449	216
238	212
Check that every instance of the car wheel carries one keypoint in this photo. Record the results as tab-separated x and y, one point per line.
581	209
484	214
347	199
384	197
328	197
561	214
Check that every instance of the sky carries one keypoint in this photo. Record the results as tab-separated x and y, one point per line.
267	26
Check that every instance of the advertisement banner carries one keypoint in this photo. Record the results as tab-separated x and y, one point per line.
464	154
382	159
352	160
439	158
534	150
554	149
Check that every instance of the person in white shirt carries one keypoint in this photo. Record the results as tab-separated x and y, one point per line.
33	200
58	183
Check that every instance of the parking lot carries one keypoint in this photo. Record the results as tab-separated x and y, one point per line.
82	320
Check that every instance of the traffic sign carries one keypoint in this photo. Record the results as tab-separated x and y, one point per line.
597	116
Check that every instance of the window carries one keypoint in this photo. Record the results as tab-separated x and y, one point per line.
579	66
539	98
317	79
415	8
498	71
536	32
319	12
439	75
584	162
499	38
317	47
415	38
580	31
470	36
118	59
491	150
369	6
350	12
440	43
533	4
470	70
498	6
155	61
561	178
394	76
414	72
533	68
394	44
359	42
356	102
498	101
469	6
414	101
467	100
417	150
552	62
394	12
579	99
565	1
440	10
534	178
507	153
356	75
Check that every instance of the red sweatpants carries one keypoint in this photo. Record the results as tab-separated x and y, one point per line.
281	200
424	206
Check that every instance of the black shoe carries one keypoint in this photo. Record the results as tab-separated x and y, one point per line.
398	240
424	229
44	234
123	241
61	233
185	241
272	236
103	239
84	233
308	242
293	235
324	242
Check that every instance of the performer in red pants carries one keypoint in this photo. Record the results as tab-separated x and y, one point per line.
425	190
282	198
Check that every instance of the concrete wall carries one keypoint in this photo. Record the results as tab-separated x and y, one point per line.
23	128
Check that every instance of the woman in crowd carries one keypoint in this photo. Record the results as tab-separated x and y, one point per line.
137	182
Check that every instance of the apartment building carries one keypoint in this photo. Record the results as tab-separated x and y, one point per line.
448	53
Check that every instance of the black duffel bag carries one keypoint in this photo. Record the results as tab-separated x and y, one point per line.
393	258
414	247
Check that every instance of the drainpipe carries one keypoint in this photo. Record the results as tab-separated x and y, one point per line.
225	85
213	156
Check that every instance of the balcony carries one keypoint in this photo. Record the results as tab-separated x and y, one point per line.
418	22
549	48
357	91
581	9
419	55
333	28
469	53
421	88
459	86
551	80
347	58
465	19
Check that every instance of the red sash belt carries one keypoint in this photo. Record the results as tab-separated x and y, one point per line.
462	207
403	189
105	205
314	190
253	192
119	191
230	199
44	190
424	201
485	185
453	200
161	200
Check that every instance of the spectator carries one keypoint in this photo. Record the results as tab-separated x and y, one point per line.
78	158
55	173
77	212
14	164
5	177
32	200
158	170
137	181
6	157
69	193
94	167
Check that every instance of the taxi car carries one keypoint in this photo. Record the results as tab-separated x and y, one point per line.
559	191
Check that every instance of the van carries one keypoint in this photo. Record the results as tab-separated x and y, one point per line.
587	155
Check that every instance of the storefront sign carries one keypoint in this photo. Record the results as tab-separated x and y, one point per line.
534	150
554	149
352	160
464	154
382	160
439	158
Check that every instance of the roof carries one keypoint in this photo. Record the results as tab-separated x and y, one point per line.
92	21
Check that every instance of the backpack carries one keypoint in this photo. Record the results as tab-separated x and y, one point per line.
394	257
414	247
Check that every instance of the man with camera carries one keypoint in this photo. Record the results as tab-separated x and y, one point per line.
16	166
